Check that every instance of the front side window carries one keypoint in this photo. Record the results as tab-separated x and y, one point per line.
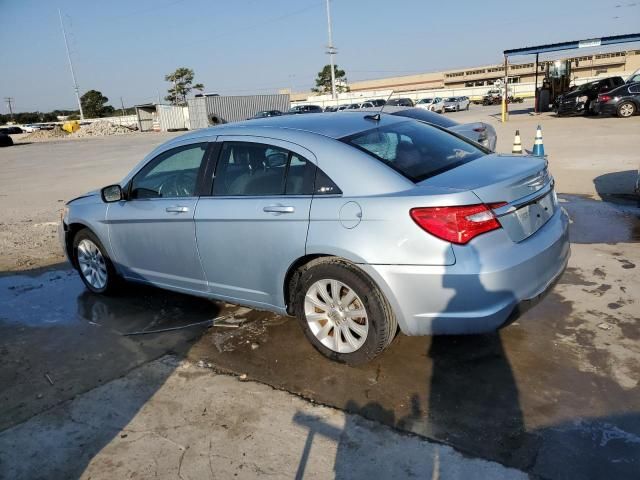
416	150
171	174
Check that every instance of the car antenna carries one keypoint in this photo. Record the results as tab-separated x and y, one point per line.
376	116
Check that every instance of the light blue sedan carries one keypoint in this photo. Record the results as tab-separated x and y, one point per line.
357	223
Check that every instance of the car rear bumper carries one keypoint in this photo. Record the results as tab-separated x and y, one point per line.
492	281
605	108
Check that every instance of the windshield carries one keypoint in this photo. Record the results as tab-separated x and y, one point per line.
416	150
451	99
426	100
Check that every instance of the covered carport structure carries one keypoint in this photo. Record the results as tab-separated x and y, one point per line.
555	47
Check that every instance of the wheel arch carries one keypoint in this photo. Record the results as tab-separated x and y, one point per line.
70	233
294	273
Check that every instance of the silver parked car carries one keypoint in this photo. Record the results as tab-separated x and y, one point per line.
480	132
432	104
451	104
356	223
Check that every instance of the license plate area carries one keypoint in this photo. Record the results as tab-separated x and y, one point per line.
529	218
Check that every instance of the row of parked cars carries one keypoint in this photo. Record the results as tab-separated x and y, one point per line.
606	96
436	104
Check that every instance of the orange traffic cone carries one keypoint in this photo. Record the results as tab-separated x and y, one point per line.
517	146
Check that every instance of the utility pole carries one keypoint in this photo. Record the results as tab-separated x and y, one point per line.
331	50
505	95
9	100
122	105
73	75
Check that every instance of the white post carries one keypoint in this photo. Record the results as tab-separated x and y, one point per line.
73	75
331	52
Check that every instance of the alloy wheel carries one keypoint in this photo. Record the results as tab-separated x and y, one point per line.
92	264
336	316
626	110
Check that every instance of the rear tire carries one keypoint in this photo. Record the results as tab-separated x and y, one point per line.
93	263
626	110
342	312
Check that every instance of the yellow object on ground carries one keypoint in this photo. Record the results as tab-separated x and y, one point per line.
71	126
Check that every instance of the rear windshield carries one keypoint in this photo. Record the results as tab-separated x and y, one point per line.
426	116
416	150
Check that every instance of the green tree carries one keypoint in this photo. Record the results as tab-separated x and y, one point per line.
93	104
323	80
182	84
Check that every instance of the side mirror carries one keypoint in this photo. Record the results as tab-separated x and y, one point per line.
112	193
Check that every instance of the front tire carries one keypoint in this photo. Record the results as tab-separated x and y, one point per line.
626	109
342	312
93	263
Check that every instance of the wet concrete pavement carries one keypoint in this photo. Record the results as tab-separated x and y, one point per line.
556	394
50	325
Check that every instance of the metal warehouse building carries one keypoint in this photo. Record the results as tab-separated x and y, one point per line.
207	110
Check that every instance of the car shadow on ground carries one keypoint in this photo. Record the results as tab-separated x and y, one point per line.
58	341
617	187
470	399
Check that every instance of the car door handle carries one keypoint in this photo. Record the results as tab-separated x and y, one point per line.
277	209
177	209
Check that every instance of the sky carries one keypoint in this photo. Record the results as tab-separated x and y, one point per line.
241	47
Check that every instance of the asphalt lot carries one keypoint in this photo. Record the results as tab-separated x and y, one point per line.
554	395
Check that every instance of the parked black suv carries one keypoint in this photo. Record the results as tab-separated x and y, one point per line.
581	99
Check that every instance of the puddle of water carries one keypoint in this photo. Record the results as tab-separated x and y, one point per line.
59	298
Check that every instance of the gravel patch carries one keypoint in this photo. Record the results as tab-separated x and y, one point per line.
101	128
44	135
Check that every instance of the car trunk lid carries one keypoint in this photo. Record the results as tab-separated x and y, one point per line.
522	183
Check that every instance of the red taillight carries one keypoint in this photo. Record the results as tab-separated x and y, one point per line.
604	97
457	224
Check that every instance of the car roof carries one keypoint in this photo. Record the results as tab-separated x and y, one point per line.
333	125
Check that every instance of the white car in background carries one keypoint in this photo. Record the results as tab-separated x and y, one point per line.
463	103
30	128
452	104
432	104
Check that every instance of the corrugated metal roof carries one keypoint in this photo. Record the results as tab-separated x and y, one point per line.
592	42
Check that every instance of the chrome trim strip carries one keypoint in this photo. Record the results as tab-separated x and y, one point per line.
524	201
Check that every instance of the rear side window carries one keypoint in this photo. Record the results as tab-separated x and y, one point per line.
416	150
256	169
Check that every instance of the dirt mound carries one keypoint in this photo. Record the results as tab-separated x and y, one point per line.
99	129
43	135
